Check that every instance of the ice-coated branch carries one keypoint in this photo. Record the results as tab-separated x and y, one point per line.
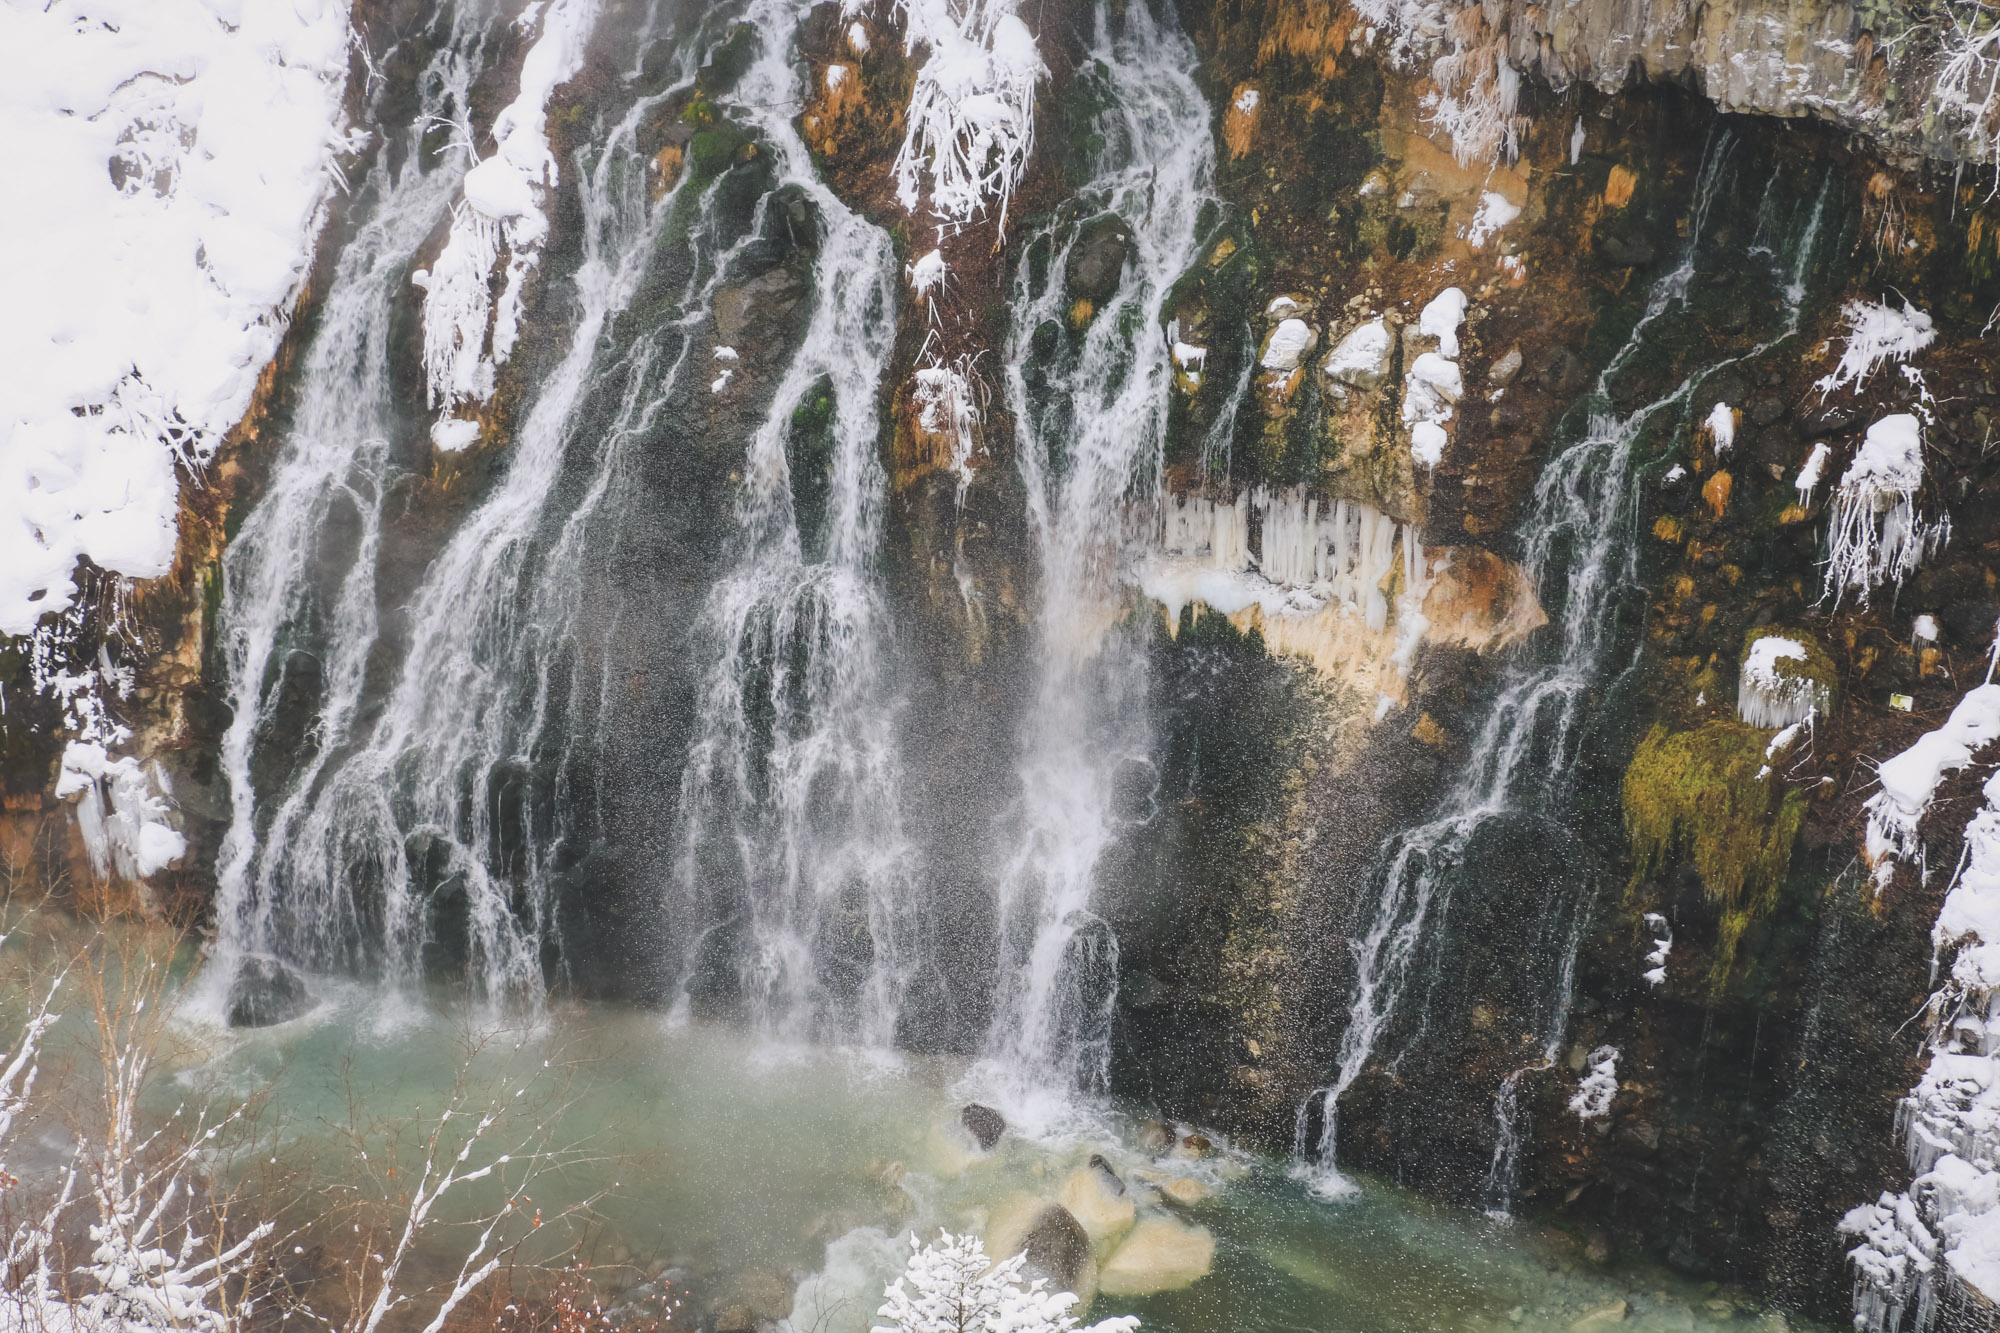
971	120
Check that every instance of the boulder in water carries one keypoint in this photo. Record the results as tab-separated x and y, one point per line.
1099	1201
1161	1254
985	1124
1055	1243
1158	1137
1097	260
266	993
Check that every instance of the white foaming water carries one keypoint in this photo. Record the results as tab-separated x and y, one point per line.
334	462
791	809
490	682
1090	442
1577	534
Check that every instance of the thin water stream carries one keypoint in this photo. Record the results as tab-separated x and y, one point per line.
1580	553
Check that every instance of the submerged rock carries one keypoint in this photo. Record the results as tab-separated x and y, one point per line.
1161	1254
266	993
985	1124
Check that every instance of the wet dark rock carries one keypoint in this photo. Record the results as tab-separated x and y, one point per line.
1097	260
1058	1248
1817	419
1765	409
985	1124
1103	1168
1627	251
266	993
1565	372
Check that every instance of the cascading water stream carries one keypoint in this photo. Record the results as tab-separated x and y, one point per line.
1577	538
422	793
794	871
1090	444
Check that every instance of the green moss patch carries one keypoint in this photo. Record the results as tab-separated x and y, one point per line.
1698	796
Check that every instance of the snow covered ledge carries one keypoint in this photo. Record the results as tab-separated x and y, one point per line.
168	164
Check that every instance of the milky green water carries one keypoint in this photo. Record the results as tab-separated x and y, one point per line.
773	1176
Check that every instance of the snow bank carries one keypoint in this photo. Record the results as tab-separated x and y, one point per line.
468	334
1809	476
1433	385
1721	425
1874	534
166	163
971	119
1441	319
1493	213
1877	332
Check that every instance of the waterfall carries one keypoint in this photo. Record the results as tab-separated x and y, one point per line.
298	580
1090	438
443	795
1578	542
793	872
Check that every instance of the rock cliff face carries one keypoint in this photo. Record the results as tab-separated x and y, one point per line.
1444	250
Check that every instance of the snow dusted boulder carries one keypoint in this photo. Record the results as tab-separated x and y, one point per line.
1784	678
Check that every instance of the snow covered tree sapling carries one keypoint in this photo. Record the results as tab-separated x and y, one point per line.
950	1286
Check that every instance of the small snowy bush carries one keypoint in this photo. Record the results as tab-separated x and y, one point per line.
950	1286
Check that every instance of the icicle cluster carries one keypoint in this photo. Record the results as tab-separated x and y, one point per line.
468	335
1874	533
1877	332
1911	778
1593	1095
122	808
